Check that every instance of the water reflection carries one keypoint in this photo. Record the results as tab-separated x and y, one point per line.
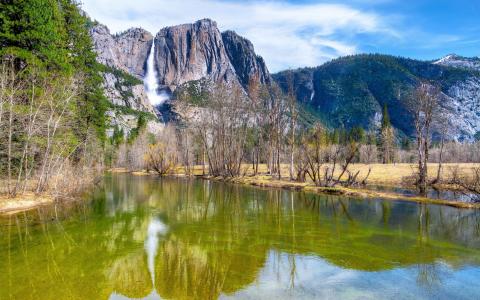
186	239
155	228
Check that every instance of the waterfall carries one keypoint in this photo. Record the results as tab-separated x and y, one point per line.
150	81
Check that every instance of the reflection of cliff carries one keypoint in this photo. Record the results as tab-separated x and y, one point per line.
219	239
192	270
129	276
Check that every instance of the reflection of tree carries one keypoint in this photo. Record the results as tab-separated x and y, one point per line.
428	276
82	258
219	239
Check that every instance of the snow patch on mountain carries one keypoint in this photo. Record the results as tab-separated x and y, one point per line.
453	60
462	107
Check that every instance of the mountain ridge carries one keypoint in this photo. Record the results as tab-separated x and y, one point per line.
352	90
347	91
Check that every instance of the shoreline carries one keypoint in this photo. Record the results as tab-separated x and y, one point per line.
343	191
29	201
364	193
24	202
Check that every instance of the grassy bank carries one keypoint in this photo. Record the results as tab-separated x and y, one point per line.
392	175
23	202
343	191
381	175
65	187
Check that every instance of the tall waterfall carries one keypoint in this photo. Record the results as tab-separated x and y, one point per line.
150	81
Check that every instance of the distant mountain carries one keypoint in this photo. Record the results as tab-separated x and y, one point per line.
346	92
351	91
453	60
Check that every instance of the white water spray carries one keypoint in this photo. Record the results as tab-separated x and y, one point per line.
150	80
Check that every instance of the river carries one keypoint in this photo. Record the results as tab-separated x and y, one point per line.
172	238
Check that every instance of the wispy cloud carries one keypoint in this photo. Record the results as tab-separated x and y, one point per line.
287	35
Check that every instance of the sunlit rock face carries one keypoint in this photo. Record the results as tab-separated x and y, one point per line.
191	52
126	51
182	53
462	105
123	55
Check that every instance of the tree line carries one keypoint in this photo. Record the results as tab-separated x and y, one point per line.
230	133
52	107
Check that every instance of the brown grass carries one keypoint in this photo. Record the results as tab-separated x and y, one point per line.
23	202
382	174
387	175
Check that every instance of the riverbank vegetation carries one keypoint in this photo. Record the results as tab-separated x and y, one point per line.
53	121
259	137
52	108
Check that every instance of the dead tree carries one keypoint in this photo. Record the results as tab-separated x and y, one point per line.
293	111
424	104
162	156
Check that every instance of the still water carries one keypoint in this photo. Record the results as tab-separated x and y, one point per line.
150	238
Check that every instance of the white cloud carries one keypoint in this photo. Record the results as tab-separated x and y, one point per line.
286	35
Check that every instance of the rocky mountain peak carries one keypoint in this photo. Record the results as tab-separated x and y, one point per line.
183	53
242	55
190	52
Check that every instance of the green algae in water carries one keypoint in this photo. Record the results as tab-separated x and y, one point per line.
156	238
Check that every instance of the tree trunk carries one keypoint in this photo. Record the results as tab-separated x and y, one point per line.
440	158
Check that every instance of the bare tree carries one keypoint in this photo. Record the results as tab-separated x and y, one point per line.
292	106
36	115
162	156
425	104
313	148
257	112
223	131
441	125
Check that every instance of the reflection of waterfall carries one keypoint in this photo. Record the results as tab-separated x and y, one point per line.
155	228
150	81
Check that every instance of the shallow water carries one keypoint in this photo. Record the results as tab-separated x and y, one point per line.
156	238
452	195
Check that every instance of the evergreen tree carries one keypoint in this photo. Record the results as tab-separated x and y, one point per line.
51	37
35	32
387	137
385	117
91	102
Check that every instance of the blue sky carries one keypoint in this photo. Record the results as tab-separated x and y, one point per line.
298	33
